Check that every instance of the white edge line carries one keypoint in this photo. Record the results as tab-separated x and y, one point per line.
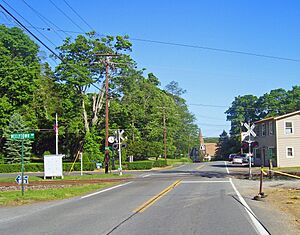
179	166
104	190
171	173
259	228
144	176
203	181
226	167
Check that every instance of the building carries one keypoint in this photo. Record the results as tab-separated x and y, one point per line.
278	139
210	149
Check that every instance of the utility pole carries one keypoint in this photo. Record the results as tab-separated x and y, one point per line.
107	66
165	135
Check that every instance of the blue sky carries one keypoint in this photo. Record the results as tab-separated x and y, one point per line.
210	77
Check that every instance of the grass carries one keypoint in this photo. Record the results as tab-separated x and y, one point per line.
296	168
13	198
69	177
178	161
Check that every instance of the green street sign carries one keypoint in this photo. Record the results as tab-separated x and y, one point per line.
22	136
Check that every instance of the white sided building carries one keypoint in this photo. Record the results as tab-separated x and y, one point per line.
278	139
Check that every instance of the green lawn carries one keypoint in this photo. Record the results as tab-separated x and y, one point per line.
179	161
70	177
13	198
296	168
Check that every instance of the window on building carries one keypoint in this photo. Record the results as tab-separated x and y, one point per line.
256	130
271	152
288	128
289	152
271	130
257	153
263	129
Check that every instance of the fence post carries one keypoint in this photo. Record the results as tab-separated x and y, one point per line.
270	169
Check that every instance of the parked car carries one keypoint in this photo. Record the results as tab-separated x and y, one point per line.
237	159
231	156
246	158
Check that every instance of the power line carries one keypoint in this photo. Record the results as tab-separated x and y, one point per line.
211	124
84	21
194	46
213	118
27	22
46	21
216	49
40	41
68	17
209	105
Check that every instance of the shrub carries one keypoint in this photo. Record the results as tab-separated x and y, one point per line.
39	167
140	165
86	166
160	163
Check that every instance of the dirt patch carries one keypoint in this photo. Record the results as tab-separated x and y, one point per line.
46	184
287	200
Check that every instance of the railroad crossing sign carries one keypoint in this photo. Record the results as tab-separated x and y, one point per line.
111	139
121	132
19	179
250	129
22	136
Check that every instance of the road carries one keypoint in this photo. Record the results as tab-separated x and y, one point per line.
191	199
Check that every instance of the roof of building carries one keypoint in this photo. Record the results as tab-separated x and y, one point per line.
279	117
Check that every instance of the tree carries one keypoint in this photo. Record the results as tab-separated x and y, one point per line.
174	89
225	146
12	147
272	104
19	71
243	109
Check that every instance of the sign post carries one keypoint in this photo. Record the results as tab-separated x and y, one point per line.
22	159
250	133
120	133
22	136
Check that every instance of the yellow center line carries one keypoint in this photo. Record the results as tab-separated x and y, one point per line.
199	167
158	196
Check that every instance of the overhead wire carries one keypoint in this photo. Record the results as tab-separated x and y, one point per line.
68	17
44	19
216	49
76	13
29	23
193	46
47	47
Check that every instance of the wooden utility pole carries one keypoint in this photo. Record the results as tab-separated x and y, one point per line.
165	135
106	160
107	66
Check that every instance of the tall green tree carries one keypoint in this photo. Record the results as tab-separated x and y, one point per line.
19	72
13	148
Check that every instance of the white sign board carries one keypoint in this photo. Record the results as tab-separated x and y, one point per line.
53	166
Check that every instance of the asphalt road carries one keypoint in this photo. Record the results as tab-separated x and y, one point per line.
191	199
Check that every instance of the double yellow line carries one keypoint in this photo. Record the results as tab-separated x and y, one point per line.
158	196
199	167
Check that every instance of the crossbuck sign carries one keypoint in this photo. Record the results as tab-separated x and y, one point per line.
249	132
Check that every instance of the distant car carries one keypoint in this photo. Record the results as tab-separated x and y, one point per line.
245	157
237	159
231	156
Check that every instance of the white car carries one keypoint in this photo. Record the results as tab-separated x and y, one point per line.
237	159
